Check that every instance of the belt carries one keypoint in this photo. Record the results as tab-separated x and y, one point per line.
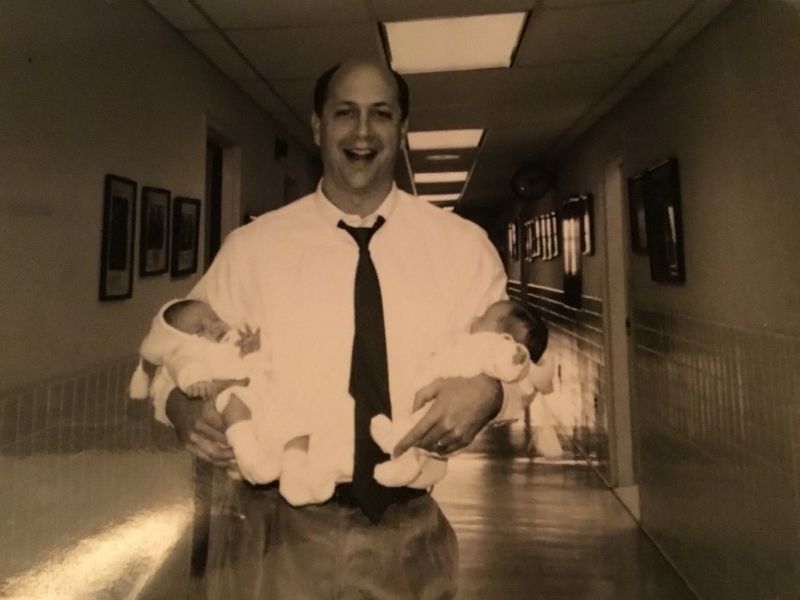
343	495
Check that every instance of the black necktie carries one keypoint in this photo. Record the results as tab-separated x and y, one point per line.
369	376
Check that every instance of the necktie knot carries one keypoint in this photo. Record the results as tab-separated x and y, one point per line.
362	235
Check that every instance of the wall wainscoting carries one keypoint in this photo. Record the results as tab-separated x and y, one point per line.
78	458
719	453
577	345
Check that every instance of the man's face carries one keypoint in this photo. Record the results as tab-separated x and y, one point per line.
360	130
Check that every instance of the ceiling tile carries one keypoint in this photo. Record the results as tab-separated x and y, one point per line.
265	97
592	32
180	13
263	14
221	54
512	88
692	24
297	53
298	93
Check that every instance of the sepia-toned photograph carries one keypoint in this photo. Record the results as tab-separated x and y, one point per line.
400	299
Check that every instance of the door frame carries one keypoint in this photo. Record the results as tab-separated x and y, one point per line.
618	340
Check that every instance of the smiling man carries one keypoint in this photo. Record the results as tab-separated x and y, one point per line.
351	287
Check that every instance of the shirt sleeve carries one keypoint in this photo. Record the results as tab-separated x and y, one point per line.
224	286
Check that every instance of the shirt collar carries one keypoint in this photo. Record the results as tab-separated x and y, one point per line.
332	214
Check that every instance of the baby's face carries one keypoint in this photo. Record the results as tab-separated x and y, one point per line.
494	319
198	319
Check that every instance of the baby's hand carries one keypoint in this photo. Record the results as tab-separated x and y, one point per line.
249	340
201	389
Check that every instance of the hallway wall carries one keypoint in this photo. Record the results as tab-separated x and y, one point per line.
717	358
89	88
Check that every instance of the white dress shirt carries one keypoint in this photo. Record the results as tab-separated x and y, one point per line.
291	272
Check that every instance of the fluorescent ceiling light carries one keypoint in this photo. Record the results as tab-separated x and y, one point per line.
440	157
444	138
439	197
454	43
441	177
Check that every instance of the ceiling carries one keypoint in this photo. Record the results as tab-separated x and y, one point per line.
576	60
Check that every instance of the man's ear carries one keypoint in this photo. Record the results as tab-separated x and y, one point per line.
315	127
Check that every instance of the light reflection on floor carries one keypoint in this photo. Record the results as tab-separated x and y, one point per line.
532	528
117	563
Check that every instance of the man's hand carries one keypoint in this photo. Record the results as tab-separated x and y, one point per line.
199	428
461	407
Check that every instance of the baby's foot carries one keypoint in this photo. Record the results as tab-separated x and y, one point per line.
235	411
382	432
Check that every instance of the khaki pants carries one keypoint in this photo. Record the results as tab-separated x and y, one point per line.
262	548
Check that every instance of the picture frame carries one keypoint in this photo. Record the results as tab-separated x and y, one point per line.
537	237
662	207
513	245
572	234
556	237
117	245
636	215
587	224
154	238
185	236
572	239
546	237
528	237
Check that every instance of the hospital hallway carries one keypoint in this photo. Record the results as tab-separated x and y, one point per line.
624	171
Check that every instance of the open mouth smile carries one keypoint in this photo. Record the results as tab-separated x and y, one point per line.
363	156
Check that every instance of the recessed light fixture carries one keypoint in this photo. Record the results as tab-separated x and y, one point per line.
442	157
454	43
444	139
439	197
441	177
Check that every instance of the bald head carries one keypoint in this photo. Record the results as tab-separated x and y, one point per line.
323	84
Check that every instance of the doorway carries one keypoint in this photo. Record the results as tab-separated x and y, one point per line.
618	340
214	161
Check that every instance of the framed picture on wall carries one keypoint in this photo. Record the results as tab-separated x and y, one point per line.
545	226
662	206
571	217
638	226
556	237
537	237
528	230
513	245
185	236
587	224
119	228
154	238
